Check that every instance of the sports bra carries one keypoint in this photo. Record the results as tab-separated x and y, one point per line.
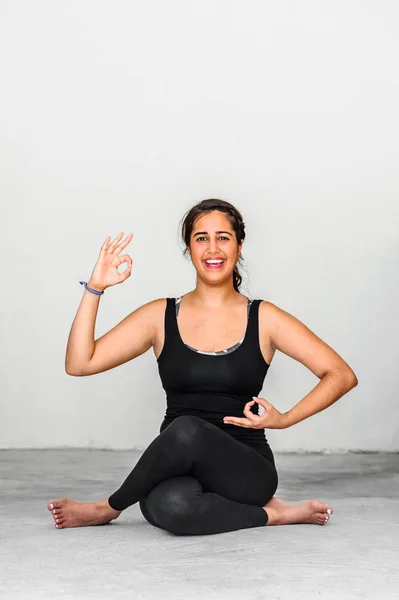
227	350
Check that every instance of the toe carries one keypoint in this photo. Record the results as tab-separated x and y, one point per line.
57	503
60	502
320	518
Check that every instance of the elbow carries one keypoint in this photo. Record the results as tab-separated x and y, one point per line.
351	379
347	376
72	372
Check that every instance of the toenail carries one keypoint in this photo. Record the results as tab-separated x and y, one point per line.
51	506
53	512
329	511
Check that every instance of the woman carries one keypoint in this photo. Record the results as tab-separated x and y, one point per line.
210	469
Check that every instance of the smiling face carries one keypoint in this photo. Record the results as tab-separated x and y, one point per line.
213	237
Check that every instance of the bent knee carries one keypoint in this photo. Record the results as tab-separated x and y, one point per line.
170	504
177	513
187	427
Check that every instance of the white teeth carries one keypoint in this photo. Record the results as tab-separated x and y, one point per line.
214	262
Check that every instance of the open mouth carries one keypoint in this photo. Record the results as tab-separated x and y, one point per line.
214	263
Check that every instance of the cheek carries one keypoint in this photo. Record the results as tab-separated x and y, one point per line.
195	256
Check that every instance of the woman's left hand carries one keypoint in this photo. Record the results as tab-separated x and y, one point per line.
270	419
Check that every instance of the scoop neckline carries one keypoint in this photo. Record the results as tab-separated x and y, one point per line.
201	352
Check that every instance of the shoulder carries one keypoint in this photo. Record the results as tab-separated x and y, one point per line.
270	316
155	307
267	308
152	310
272	312
156	311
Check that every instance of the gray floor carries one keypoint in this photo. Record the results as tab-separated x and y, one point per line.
356	555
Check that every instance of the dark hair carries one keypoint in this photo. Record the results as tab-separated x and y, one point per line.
234	216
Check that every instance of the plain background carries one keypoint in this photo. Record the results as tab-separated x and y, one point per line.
119	116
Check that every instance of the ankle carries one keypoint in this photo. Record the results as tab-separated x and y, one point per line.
104	506
273	516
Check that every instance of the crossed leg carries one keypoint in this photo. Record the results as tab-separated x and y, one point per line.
195	478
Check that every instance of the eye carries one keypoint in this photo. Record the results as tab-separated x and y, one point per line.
221	237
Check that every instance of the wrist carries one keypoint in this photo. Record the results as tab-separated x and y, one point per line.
95	286
286	420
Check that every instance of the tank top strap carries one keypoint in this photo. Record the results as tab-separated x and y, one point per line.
171	331
253	323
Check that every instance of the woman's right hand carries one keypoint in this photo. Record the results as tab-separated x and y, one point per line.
105	272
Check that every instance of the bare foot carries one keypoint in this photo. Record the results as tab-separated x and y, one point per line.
311	511
69	513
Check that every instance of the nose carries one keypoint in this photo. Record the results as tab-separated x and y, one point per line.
212	245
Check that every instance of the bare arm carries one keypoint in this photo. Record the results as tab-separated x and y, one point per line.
130	338
80	345
293	338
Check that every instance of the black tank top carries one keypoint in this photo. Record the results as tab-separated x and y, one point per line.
214	386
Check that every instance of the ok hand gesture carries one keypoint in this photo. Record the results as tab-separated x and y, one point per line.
270	419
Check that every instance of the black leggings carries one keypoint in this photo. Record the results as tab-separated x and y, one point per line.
195	479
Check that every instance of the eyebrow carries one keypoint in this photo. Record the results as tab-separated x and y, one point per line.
206	233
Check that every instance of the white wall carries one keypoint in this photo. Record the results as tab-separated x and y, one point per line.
118	116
